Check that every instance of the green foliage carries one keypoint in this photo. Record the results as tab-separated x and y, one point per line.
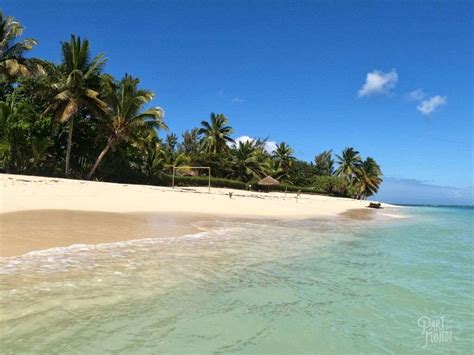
349	163
23	137
301	173
126	118
13	64
190	143
216	134
332	185
324	164
247	163
283	157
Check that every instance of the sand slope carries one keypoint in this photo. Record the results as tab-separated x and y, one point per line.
20	193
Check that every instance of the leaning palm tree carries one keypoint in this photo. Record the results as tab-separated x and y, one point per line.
283	157
12	60
126	119
216	134
349	164
368	178
77	87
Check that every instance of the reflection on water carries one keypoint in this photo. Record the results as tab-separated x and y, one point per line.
250	286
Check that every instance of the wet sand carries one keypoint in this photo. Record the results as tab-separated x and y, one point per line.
23	232
26	231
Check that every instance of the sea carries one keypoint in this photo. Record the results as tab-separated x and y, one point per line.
401	282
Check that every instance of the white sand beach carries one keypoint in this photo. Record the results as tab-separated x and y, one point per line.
21	193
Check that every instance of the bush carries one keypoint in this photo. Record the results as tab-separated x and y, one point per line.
332	185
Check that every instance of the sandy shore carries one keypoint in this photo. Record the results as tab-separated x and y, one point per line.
20	193
40	213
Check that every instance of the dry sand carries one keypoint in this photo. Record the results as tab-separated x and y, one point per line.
21	193
39	212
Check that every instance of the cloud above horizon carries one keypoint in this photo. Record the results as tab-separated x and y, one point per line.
270	146
416	95
429	106
378	82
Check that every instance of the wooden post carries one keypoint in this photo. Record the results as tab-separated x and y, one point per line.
172	179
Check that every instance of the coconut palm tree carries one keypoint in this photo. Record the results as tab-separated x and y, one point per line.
349	164
368	178
77	86
324	163
246	161
171	142
216	134
283	157
126	117
12	60
190	143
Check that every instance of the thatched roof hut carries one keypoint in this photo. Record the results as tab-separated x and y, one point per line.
268	181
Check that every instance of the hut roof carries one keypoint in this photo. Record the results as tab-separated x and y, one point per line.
268	181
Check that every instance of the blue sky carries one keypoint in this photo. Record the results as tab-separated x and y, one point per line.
316	74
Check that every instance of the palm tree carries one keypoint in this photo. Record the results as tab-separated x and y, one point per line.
216	134
283	157
171	142
190	144
77	87
368	178
349	164
324	163
246	161
12	61
126	117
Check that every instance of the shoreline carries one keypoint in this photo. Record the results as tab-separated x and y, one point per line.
38	213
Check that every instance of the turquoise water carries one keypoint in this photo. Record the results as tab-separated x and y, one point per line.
328	286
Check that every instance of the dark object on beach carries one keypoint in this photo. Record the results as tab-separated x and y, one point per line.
375	205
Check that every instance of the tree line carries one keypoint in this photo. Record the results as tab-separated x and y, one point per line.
72	119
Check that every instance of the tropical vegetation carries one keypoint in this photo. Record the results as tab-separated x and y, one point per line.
72	119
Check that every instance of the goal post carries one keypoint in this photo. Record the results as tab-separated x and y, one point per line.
189	168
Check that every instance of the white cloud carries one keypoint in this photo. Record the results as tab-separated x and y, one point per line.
378	82
237	100
416	95
270	146
428	106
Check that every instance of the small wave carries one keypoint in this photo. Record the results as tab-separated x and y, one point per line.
391	215
90	255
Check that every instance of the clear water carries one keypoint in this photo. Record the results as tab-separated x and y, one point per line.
303	287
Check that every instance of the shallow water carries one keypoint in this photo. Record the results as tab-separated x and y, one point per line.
327	286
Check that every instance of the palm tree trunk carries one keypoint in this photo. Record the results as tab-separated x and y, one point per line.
69	144
110	142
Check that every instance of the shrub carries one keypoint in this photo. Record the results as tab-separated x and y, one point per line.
332	185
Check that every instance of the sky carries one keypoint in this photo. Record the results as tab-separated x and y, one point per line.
394	79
